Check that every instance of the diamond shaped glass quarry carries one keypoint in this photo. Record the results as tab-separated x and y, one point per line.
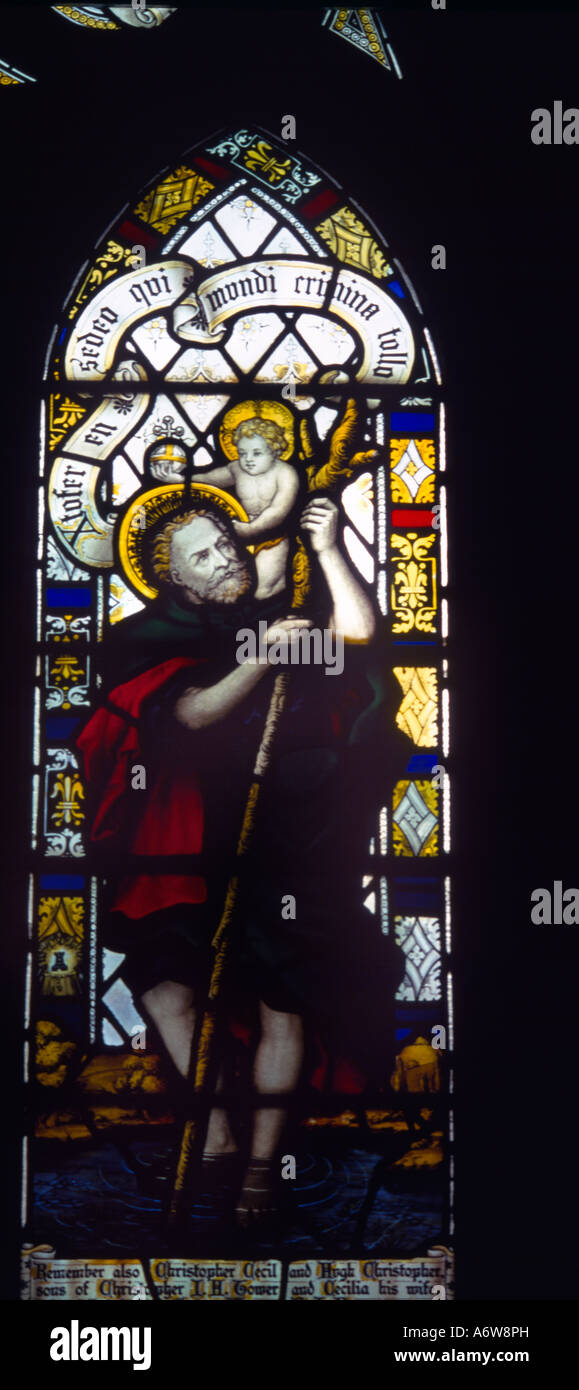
206	245
412	470
246	223
414	816
419	939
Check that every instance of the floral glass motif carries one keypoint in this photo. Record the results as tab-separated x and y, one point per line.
419	939
64	805
412	470
415	818
353	243
166	204
413	589
417	715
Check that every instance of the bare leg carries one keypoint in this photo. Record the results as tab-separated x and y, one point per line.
271	569
170	1005
278	1062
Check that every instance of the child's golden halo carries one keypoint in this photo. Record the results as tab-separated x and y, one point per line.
256	410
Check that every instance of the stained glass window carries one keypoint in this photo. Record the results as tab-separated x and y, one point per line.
242	285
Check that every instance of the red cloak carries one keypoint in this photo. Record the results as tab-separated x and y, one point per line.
171	821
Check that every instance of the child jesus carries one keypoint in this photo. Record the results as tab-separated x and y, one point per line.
267	488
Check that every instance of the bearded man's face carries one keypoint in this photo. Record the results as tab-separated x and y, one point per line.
205	563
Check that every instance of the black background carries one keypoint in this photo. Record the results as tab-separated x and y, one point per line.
444	156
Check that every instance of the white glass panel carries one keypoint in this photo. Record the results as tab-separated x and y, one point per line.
203	409
329	342
201	364
359	506
110	1035
246	223
207	247
358	553
165	418
324	418
155	343
284	243
288	362
251	337
111	959
419	939
119	1001
202	458
125	481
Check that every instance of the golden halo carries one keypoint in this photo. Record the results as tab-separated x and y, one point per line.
256	410
145	512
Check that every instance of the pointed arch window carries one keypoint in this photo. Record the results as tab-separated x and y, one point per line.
242	274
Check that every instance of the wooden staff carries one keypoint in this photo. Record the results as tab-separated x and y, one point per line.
205	1054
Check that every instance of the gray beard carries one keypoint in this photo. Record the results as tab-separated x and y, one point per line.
230	588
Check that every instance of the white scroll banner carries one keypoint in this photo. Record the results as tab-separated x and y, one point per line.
79	526
113	419
379	322
94	340
137	17
73	492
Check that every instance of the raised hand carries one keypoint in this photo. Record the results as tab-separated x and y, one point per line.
320	519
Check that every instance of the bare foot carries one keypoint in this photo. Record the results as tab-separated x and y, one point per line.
257	1200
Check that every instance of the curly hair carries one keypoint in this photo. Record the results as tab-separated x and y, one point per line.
161	557
272	433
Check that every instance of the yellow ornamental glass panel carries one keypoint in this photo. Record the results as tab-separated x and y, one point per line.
173	198
413	595
64	414
412	467
60	939
262	159
418	712
67	792
114	260
352	243
66	675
